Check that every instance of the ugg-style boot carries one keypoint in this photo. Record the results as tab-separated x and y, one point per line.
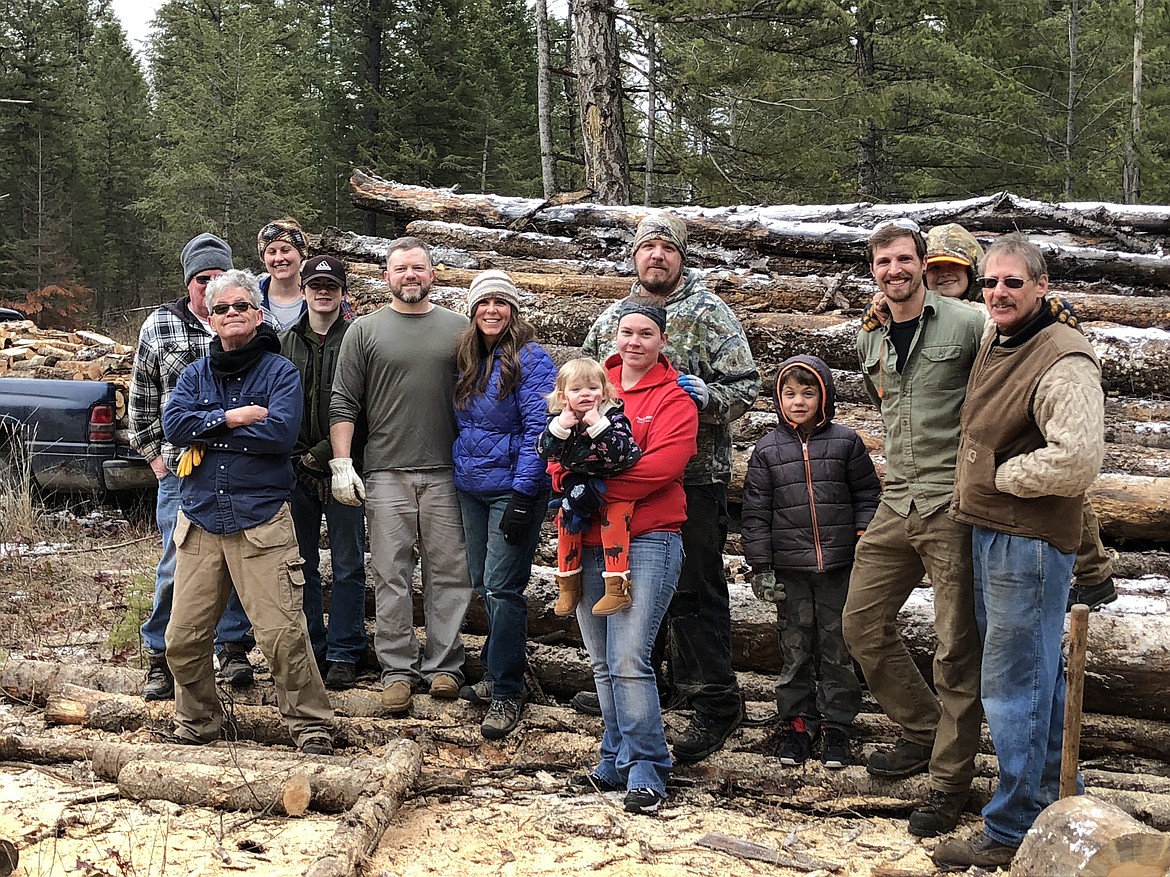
570	586
617	594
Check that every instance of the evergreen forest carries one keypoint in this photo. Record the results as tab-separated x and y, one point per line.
240	111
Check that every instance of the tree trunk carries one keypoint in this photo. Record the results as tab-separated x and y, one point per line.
651	114
1131	171
548	165
600	102
1081	835
1070	130
246	787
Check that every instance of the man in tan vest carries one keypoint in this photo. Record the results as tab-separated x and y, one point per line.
1032	440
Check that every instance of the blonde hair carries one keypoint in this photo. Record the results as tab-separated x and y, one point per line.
580	370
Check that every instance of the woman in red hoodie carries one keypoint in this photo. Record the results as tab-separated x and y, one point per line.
634	754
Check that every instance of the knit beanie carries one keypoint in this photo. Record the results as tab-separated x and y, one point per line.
662	226
287	229
492	284
204	253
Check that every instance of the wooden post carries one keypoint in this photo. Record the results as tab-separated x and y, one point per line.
1078	638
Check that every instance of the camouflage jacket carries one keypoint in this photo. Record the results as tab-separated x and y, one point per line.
705	339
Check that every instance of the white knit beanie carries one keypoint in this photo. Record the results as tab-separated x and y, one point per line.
492	284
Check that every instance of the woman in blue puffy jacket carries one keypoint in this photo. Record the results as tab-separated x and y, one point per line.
500	409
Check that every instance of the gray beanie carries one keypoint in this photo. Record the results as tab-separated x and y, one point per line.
492	284
203	253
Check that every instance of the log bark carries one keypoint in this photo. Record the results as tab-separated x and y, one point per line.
333	789
363	826
1081	835
33	681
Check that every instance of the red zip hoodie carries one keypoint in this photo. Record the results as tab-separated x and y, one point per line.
665	423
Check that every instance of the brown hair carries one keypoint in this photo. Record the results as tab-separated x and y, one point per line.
580	370
888	232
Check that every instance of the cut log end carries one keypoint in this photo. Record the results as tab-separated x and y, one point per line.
1084	836
296	795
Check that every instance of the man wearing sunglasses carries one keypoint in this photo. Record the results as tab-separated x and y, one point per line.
173	337
1033	429
915	369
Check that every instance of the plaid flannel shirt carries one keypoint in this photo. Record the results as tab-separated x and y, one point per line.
171	339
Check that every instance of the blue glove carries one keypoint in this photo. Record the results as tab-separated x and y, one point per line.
696	388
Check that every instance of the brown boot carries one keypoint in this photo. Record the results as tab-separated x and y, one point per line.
617	594
570	596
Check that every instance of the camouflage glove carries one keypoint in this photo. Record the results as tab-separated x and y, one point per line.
1064	312
765	586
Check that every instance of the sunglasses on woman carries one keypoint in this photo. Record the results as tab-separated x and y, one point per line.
242	306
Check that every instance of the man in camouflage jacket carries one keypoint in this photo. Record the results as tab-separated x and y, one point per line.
706	343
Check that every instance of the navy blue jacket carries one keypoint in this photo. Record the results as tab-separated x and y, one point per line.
495	451
246	474
806	497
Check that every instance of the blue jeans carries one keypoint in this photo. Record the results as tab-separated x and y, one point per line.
499	574
346	638
1021	588
234	628
633	747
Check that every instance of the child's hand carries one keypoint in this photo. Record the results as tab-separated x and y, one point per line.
591	417
765	586
566	419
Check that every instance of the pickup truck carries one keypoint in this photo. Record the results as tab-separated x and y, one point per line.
62	435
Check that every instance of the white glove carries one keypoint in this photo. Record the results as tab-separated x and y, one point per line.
347	486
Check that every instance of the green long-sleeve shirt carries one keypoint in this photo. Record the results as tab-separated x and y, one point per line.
920	407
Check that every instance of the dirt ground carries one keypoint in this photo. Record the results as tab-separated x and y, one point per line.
76	598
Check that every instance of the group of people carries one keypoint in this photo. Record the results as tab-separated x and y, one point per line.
421	429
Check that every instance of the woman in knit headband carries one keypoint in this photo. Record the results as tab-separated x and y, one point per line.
282	246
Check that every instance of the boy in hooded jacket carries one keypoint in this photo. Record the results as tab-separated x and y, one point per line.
810	492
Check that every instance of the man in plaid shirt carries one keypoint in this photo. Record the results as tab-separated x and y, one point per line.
175	335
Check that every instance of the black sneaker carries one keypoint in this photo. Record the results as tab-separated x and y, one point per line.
1093	596
643	801
593	782
904	759
160	684
834	748
586	702
502	717
235	669
797	744
318	745
479	694
705	734
342	675
938	814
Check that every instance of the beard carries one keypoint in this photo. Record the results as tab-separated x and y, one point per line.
909	291
659	286
412	297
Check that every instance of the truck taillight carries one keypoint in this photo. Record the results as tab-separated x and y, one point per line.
101	423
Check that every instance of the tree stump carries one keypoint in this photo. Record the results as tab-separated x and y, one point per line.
1082	835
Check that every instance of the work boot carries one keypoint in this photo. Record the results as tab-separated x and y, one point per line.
444	686
234	667
834	747
502	716
586	702
797	744
341	675
569	584
705	734
617	594
938	814
396	696
1093	596
318	744
904	759
479	694
956	854
160	684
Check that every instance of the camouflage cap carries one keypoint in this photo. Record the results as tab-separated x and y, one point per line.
662	226
952	243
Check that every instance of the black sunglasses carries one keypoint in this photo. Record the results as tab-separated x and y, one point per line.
1009	282
242	306
204	279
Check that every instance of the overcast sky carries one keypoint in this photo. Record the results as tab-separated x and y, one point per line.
136	16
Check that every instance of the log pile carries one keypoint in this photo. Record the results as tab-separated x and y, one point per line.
797	278
27	351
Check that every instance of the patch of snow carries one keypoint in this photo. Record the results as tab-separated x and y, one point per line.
17	549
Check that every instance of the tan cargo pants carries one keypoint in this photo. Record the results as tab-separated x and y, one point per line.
265	566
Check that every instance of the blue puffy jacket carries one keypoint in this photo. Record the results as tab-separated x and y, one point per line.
495	451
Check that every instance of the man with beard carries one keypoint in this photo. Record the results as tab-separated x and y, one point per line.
397	367
707	345
916	369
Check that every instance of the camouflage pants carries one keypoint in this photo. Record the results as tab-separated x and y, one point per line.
816	682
